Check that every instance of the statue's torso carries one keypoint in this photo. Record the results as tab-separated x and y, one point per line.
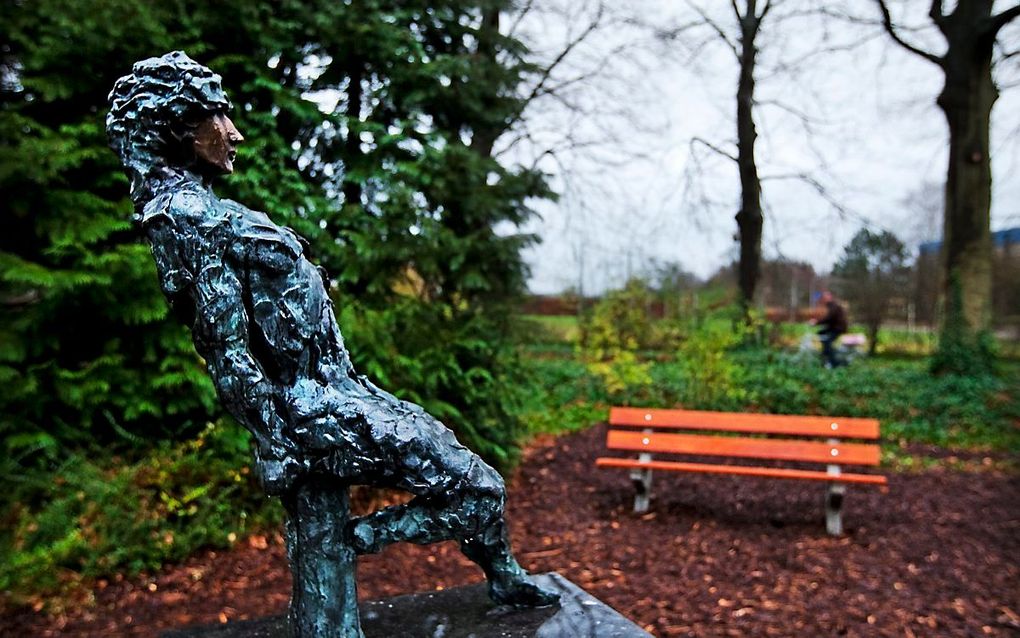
292	331
338	422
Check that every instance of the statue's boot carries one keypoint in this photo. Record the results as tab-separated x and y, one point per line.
509	584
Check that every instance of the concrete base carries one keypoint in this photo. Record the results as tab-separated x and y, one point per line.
463	612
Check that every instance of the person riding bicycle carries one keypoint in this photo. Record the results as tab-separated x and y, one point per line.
831	327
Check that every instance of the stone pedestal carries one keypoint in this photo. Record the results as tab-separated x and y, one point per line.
463	612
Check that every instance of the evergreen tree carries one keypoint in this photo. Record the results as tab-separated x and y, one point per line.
392	187
870	273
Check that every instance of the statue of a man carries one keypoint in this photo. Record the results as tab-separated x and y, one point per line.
265	326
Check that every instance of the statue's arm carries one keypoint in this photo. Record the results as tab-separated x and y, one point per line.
220	331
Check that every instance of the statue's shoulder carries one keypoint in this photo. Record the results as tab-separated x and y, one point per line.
181	207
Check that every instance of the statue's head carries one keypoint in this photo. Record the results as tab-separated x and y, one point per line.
171	112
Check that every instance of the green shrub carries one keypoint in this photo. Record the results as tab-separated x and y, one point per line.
99	517
713	378
461	367
618	328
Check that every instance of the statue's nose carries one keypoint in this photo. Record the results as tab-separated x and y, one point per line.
232	133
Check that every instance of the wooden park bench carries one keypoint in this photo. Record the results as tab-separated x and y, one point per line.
655	432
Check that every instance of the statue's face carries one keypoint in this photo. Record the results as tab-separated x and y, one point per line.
216	140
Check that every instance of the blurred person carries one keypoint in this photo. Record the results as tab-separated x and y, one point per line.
831	327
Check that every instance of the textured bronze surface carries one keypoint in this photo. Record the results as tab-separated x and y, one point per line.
264	324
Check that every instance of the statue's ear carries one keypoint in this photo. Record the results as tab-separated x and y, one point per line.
178	141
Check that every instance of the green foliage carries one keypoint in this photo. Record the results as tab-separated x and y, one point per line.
465	373
871	271
106	516
398	178
619	326
962	351
394	186
711	375
952	411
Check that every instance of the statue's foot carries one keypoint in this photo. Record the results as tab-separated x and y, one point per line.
521	591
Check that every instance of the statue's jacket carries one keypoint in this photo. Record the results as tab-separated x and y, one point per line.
266	327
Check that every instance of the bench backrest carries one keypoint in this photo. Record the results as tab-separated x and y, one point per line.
656	431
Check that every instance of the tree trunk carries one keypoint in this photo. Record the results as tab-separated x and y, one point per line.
873	339
749	218
352	188
484	137
966	99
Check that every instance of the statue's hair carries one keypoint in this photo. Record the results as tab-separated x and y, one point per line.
153	108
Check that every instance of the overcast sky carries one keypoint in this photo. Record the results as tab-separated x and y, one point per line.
635	191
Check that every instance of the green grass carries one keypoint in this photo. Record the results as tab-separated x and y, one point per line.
98	516
914	407
550	329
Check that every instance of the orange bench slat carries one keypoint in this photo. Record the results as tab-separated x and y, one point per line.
776	449
794	425
743	470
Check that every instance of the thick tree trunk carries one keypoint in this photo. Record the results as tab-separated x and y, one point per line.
749	218
966	99
873	339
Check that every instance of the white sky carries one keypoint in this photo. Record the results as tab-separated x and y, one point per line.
631	194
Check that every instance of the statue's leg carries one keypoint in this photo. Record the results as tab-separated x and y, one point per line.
324	602
469	511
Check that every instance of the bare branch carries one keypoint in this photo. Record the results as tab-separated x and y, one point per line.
519	16
806	178
712	147
787	108
891	30
540	87
798	62
715	27
1002	19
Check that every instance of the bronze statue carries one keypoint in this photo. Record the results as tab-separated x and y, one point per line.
265	326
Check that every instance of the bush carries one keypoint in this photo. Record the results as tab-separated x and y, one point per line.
462	368
619	326
712	377
103	517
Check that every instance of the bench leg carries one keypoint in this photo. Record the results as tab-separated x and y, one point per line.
834	508
642	480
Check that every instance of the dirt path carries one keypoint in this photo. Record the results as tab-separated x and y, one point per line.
715	556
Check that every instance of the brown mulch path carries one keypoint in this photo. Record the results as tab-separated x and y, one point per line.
938	555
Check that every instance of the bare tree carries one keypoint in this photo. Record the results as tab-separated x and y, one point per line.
741	32
582	125
742	44
971	32
749	217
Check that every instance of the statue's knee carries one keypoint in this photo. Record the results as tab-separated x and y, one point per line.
483	503
487	482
